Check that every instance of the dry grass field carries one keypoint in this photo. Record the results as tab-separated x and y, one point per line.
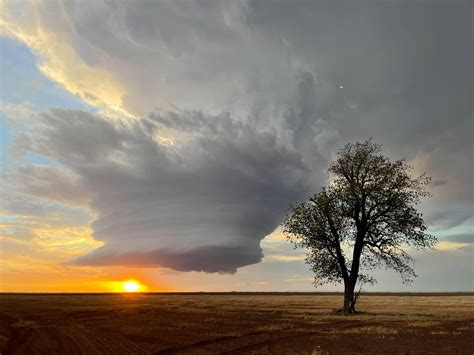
234	323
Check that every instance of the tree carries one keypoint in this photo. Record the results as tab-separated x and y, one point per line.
364	218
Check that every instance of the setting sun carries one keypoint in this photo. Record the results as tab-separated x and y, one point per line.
131	286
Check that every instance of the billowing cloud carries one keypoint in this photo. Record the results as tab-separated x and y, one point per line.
242	103
202	204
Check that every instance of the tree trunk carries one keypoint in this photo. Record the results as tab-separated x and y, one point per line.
349	298
350	283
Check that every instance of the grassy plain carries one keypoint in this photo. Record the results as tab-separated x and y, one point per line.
234	323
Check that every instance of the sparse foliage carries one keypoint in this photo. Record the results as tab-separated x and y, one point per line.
363	219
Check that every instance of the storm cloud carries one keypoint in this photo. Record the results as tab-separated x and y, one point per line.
238	108
202	204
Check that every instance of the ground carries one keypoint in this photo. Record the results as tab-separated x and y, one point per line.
235	323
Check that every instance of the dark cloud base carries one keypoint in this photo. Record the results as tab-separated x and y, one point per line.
221	259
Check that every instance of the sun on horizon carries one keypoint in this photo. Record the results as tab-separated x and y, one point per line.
131	286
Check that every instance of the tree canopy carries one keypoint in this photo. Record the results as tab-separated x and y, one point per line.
364	218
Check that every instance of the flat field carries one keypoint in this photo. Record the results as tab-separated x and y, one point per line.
235	323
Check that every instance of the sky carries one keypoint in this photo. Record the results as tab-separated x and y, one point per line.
163	141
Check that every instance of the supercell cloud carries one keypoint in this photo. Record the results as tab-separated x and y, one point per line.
202	204
230	110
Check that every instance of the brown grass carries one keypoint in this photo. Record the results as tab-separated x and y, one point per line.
207	323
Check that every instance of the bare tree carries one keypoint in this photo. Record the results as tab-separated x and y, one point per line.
364	218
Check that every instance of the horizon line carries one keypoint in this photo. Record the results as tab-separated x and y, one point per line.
322	293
